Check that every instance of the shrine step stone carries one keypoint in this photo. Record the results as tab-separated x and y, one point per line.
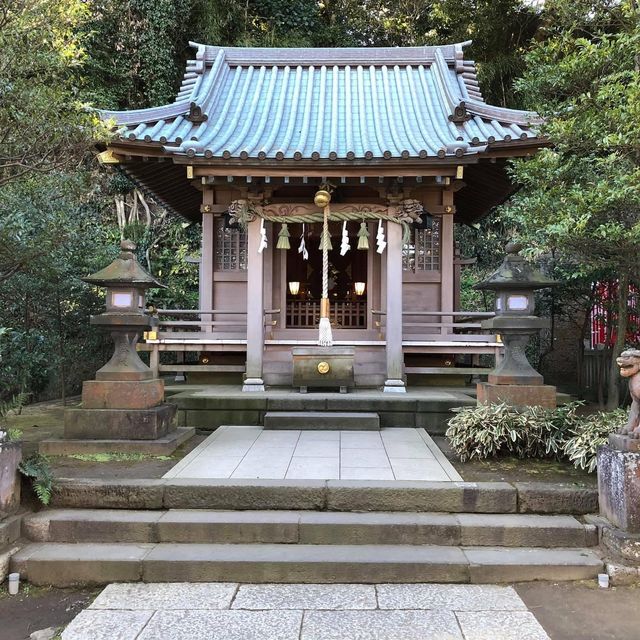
307	527
94	563
312	420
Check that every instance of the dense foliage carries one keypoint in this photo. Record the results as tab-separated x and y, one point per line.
580	201
489	431
61	217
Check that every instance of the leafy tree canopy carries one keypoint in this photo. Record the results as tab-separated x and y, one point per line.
581	196
44	125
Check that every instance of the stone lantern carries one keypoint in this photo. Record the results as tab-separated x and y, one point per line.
126	283
514	380
122	409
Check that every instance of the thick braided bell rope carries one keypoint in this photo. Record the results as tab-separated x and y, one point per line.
325	254
325	338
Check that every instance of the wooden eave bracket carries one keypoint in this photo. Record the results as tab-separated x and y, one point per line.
109	157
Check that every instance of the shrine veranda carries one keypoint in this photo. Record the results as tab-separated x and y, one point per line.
405	145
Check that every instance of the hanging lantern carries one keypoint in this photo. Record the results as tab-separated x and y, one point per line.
363	237
359	288
294	288
283	238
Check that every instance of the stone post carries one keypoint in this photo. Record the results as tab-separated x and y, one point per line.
395	360
619	475
255	310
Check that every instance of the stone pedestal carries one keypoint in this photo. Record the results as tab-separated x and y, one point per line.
119	424
120	416
112	394
619	487
517	395
10	457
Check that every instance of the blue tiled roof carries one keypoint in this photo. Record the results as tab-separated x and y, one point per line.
346	104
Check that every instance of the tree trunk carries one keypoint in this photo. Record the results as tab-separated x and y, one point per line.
613	390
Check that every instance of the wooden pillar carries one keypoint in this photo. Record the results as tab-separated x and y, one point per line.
447	258
206	261
255	310
395	358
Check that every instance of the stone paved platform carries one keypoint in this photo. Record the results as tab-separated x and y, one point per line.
224	611
251	452
210	406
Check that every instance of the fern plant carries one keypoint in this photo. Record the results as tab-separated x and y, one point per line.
15	404
36	467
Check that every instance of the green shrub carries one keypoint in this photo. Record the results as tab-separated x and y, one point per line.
591	432
493	430
490	430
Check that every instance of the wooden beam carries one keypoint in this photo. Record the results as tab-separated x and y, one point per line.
321	172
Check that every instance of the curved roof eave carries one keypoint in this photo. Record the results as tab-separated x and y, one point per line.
379	103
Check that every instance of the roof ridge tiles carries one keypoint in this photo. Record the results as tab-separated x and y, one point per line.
334	55
326	104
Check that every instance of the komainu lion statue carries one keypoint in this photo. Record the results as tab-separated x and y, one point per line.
629	363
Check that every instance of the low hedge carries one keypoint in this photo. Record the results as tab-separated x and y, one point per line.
493	430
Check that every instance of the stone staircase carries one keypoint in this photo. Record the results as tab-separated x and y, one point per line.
299	531
331	420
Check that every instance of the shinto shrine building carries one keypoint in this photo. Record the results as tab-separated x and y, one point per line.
406	146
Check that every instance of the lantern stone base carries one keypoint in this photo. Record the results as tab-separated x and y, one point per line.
622	546
517	395
111	394
10	457
619	487
160	447
119	424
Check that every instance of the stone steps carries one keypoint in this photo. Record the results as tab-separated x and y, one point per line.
93	563
426	407
300	527
324	495
102	531
329	420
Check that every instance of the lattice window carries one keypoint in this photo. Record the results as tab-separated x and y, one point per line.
231	248
423	252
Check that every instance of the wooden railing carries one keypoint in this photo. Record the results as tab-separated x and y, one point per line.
204	320
198	335
439	322
201	320
345	314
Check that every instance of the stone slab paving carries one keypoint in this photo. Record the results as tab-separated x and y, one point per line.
226	611
250	452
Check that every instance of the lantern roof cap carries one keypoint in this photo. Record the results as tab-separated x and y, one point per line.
515	273
124	270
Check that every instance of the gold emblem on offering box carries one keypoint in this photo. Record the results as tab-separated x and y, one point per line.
323	367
